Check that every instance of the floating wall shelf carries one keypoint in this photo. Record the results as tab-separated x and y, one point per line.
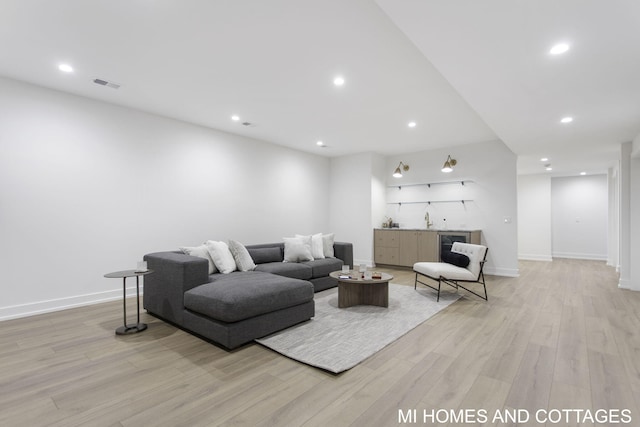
428	202
429	184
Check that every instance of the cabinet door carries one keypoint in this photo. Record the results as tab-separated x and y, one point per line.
475	238
386	255
428	246
408	248
391	238
378	246
385	246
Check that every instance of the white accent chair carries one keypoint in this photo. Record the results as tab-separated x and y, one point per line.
452	275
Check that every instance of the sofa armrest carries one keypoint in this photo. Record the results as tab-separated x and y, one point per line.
344	251
174	273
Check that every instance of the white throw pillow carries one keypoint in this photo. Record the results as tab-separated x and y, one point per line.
221	256
201	252
317	248
296	249
327	245
241	256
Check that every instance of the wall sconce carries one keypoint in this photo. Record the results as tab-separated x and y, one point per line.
398	172
449	164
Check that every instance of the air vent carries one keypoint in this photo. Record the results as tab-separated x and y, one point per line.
246	124
106	83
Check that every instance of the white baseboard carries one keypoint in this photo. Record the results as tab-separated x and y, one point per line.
41	307
534	257
628	284
573	255
367	262
498	271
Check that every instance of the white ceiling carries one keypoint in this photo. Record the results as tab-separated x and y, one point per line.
464	71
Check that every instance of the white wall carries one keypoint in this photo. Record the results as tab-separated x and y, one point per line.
88	188
492	168
378	196
534	217
613	226
629	181
579	210
634	230
626	280
355	201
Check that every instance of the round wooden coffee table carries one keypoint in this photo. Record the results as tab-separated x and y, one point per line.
354	290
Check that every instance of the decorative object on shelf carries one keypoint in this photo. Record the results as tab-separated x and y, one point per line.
448	164
388	223
398	172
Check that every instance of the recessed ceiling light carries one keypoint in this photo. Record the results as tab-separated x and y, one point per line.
548	167
544	159
559	49
235	118
65	68
583	173
338	81
320	144
566	120
411	124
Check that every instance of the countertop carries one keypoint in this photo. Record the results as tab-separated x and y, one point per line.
431	229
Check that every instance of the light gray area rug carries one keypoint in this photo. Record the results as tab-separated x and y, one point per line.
337	339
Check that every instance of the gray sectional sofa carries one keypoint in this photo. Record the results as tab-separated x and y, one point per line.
234	309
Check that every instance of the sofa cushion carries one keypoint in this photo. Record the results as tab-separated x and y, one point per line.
322	267
287	269
242	295
264	255
436	270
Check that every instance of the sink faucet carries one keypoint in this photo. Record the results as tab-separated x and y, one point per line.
426	218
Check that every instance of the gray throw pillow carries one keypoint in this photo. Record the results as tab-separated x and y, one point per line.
265	255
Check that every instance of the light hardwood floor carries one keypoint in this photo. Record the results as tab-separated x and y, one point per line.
562	335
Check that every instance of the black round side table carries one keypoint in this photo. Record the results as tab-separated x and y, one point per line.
138	327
